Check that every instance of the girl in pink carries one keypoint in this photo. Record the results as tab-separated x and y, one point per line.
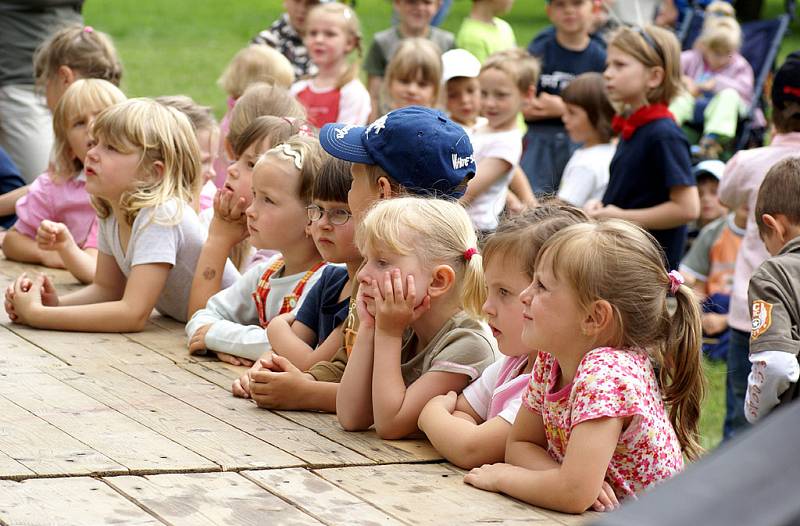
56	224
334	94
599	423
471	429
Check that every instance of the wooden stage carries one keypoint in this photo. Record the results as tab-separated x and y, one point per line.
130	429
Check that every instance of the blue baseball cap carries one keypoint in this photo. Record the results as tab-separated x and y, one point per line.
418	147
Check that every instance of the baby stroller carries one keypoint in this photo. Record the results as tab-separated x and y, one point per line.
761	40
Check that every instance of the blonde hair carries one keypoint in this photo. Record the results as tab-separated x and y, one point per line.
721	35
653	47
416	57
262	99
305	154
88	52
255	63
349	22
82	97
719	8
518	64
437	231
161	134
621	263
201	117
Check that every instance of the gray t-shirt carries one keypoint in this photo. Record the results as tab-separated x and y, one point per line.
169	233
385	44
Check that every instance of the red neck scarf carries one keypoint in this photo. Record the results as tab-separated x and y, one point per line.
628	126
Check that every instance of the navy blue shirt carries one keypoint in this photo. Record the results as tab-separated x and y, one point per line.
322	311
10	179
560	65
644	169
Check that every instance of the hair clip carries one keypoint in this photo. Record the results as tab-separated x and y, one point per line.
347	13
304	130
88	29
293	155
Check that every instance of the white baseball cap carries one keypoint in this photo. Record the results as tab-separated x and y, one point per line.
459	63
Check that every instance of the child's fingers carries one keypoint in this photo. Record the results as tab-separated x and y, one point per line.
411	291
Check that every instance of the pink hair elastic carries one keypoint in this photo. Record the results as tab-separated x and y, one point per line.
302	130
88	29
468	253
675	281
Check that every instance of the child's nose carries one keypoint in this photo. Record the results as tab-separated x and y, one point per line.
488	308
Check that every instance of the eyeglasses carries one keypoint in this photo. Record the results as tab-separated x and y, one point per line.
336	216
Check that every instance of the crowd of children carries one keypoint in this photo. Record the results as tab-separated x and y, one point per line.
365	254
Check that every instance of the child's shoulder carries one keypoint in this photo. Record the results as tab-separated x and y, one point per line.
782	267
624	361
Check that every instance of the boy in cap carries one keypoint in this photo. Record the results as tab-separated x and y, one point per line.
774	294
413	150
739	187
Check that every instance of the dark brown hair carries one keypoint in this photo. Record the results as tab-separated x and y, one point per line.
780	192
333	181
589	92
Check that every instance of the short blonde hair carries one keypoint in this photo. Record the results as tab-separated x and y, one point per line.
414	58
518	64
352	27
653	47
620	263
82	97
437	231
299	149
162	134
88	52
255	63
258	100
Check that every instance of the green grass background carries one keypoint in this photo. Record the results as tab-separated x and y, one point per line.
181	47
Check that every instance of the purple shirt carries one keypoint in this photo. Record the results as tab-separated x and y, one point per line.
64	202
737	74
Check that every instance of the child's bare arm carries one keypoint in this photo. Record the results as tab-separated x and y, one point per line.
128	313
8	201
489	171
572	486
19	247
374	84
544	106
228	227
277	384
354	396
682	207
55	238
292	340
521	187
462	442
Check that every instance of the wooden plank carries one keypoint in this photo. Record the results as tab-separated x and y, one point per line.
61	278
16	353
10	468
366	443
431	494
138	448
169	342
241	414
44	449
319	498
210	437
209	499
85	348
76	500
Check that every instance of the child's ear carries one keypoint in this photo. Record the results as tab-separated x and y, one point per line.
384	188
228	148
158	169
774	224
66	75
443	278
530	95
599	321
655	77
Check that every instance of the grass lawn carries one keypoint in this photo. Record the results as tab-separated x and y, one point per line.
182	46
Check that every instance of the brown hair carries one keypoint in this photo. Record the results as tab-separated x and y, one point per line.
654	47
589	92
262	99
303	150
333	181
786	120
201	117
273	130
88	52
255	63
518	64
521	236
352	27
621	263
414	58
779	193
82	97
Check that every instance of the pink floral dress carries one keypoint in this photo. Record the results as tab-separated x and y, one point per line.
610	383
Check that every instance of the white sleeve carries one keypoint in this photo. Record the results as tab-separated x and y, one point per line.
479	393
506	146
577	184
771	374
234	318
354	104
509	412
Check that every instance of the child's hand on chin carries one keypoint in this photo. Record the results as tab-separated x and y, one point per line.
395	309
365	306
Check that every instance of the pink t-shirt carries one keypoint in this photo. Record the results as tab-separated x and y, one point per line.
739	186
499	389
63	202
615	383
